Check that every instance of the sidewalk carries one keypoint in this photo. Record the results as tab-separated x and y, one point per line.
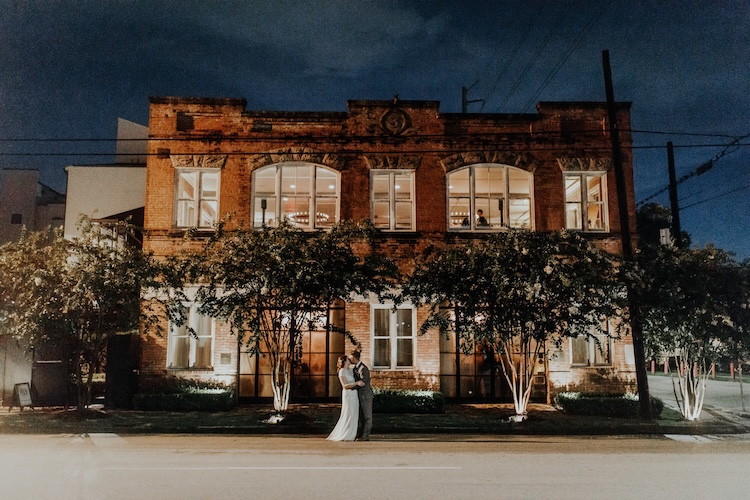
319	419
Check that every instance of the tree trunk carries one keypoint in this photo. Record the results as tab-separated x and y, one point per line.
519	374
690	389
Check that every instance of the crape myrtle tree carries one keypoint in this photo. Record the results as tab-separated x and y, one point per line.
517	292
75	294
273	284
694	305
738	345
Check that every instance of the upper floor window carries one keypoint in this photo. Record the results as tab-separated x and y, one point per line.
489	197
189	351
592	350
393	337
196	198
306	195
585	201
393	199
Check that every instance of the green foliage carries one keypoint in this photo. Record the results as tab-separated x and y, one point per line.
522	284
401	401
694	301
75	294
187	401
179	385
182	394
694	306
605	405
651	219
273	284
516	291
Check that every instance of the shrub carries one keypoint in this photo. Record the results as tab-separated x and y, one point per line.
400	401
219	400
180	394
605	405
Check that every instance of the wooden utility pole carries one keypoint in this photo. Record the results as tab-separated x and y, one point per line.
465	101
676	229
627	242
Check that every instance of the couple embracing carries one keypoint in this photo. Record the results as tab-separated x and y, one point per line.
356	400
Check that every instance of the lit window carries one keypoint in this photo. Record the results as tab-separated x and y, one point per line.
188	350
585	201
393	200
594	349
489	197
393	337
197	198
306	195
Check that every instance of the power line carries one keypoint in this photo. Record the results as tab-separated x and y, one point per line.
329	138
561	63
704	167
378	150
521	41
539	50
687	134
746	186
703	191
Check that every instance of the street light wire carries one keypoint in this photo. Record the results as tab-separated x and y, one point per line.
577	42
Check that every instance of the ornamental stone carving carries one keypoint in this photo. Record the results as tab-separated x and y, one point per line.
463	159
395	121
306	155
584	164
392	162
198	161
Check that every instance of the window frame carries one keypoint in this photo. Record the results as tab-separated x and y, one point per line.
506	197
392	200
197	199
278	195
604	337
583	177
393	337
192	317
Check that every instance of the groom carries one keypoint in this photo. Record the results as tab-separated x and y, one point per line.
361	372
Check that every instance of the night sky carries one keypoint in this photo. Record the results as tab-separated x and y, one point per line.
70	69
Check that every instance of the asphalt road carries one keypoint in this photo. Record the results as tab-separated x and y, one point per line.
410	467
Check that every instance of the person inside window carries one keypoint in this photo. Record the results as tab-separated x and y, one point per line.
481	221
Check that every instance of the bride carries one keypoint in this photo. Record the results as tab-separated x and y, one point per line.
346	427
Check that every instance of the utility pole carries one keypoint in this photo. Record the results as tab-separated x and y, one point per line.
465	97
676	230
627	243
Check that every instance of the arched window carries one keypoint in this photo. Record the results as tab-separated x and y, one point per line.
489	197
305	194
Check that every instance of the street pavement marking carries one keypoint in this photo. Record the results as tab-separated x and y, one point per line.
689	438
289	468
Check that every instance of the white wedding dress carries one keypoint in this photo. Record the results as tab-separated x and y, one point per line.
346	427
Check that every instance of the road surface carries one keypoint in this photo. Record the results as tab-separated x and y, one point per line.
395	467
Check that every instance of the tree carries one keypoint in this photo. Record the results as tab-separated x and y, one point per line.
651	219
694	305
272	284
516	292
76	294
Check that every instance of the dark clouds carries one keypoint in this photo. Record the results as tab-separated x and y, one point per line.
69	69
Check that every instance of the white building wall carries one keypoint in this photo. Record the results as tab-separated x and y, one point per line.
102	191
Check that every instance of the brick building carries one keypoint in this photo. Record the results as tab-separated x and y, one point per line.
421	176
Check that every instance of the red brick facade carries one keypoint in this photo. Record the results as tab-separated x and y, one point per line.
221	135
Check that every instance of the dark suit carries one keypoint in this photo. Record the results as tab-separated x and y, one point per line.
361	372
